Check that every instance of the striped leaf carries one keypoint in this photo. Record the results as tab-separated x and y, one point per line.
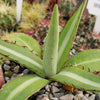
51	45
22	87
22	56
89	60
67	36
78	78
29	42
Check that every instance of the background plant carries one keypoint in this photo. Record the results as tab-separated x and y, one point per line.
31	15
7	17
53	66
67	7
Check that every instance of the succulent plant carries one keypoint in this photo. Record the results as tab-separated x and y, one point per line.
7	17
53	66
31	15
67	7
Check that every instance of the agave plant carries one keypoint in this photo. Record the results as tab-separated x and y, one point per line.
55	65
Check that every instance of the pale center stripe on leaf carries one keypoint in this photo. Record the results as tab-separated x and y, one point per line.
85	62
21	88
80	79
24	42
20	56
66	39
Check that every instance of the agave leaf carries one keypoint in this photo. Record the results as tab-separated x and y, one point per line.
29	42
51	45
78	78
89	60
67	36
22	87
22	56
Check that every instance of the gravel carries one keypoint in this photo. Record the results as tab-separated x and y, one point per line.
53	91
6	67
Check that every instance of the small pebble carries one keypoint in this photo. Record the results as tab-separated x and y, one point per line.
54	99
51	95
47	93
73	51
40	97
75	98
45	98
89	92
16	69
57	84
87	95
84	98
6	67
78	37
42	91
20	74
58	95
62	90
79	95
7	78
14	75
92	97
54	89
26	71
47	87
67	97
